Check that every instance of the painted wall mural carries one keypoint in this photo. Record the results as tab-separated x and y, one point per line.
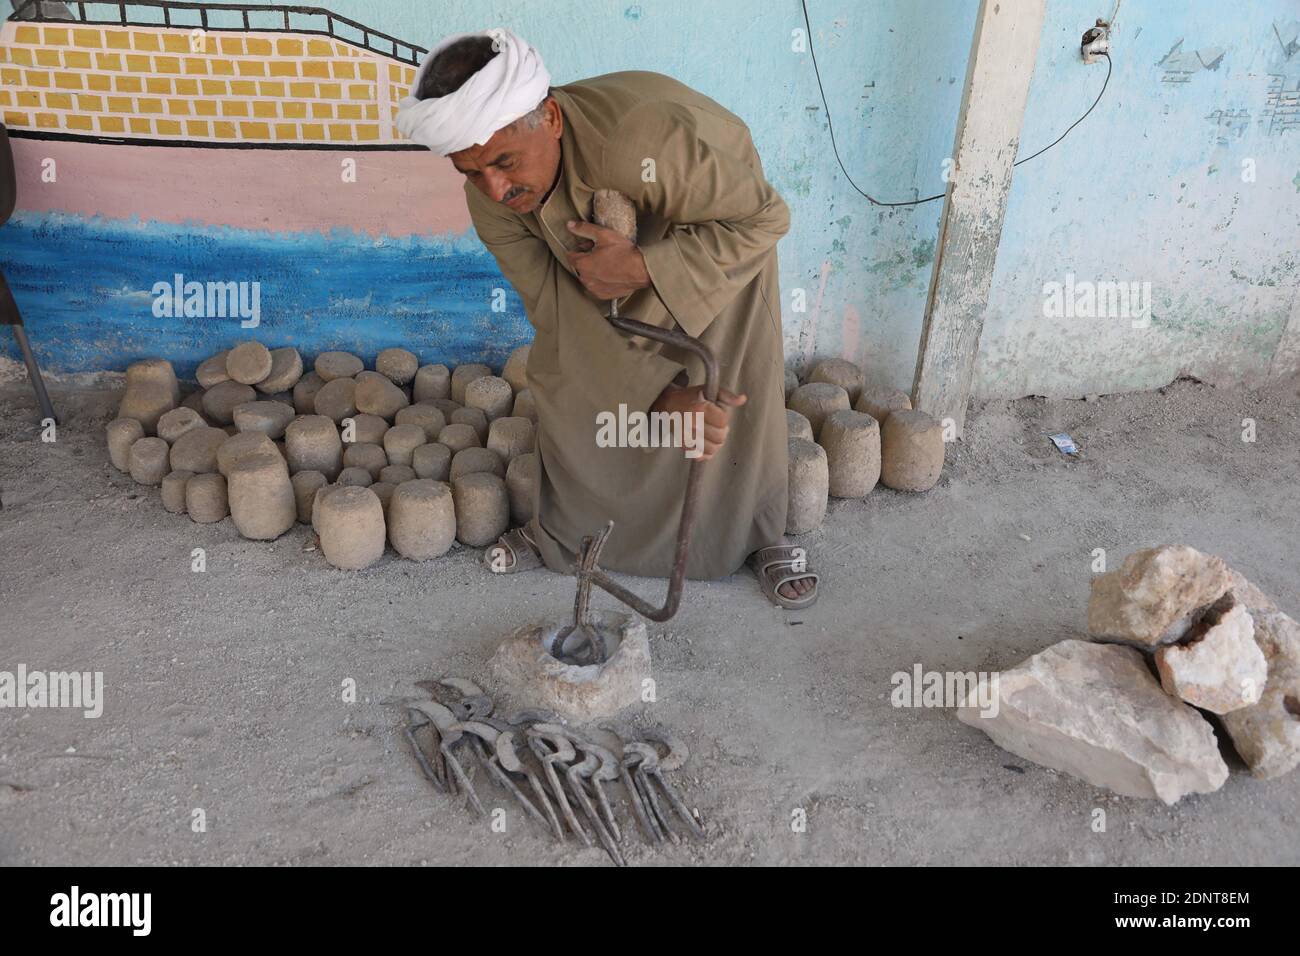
227	164
248	145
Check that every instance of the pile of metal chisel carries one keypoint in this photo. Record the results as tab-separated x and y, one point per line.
548	767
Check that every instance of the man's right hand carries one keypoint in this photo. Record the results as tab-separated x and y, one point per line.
717	416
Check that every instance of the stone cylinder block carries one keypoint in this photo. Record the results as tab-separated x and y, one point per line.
269	418
221	400
352	532
122	434
397	474
364	429
248	363
471	460
525	406
172	425
212	371
373	458
376	395
149	461
401	440
511	437
431	381
243	445
432	460
911	451
797	426
154	372
305	486
809	486
317	498
286	371
355	477
312	443
462	376
196	450
493	395
446	406
839	372
332	365
880	402
521	488
816	400
304	393
205	498
459	436
482	508
173	491
337	399
852	444
146	402
194	402
422	519
397	365
427	417
262	502
384	491
475	418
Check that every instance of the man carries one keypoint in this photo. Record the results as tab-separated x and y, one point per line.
707	223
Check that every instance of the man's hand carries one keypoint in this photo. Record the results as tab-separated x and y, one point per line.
717	417
609	266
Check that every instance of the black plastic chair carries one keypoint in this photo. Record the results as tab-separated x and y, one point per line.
9	314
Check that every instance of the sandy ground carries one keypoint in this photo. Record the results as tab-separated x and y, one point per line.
223	689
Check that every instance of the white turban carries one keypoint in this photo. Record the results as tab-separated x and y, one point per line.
510	86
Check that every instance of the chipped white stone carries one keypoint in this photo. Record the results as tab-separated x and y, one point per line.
1219	668
1156	596
1094	711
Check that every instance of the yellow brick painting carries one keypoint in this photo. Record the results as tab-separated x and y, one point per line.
186	84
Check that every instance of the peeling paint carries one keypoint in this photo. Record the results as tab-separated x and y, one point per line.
923	253
1179	66
1288	37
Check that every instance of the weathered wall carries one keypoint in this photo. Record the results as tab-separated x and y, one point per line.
1149	189
1187	176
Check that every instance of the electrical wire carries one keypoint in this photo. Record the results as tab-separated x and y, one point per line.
1076	122
916	202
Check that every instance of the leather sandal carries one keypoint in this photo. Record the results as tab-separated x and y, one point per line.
775	566
514	551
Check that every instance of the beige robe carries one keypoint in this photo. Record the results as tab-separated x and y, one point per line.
708	223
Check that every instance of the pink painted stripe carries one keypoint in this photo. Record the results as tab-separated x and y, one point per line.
397	193
850	328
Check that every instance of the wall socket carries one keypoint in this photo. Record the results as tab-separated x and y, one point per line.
1095	42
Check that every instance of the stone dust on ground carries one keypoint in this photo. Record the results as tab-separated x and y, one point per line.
223	689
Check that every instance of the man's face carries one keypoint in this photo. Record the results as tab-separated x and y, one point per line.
518	165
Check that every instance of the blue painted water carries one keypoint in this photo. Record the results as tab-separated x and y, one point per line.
85	289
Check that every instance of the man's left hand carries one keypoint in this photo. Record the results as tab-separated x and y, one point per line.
610	266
